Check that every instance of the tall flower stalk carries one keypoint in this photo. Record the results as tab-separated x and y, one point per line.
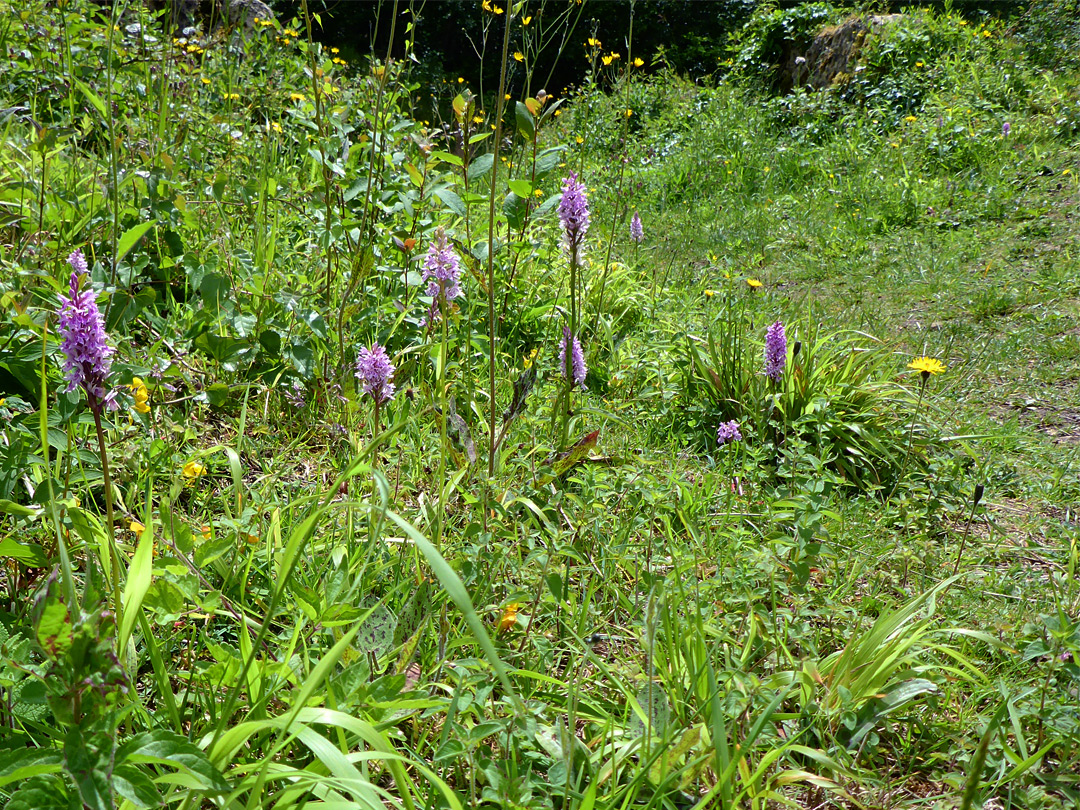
574	222
927	368
87	366
493	328
442	271
374	372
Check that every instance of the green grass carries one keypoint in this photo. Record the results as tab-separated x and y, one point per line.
332	609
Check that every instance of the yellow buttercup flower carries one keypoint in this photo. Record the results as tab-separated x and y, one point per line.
335	50
606	60
519	56
592	42
136	528
478	119
639	62
527	20
927	366
296	96
709	293
754	283
193	470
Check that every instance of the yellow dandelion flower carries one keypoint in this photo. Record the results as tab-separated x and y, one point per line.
754	283
193	470
911	119
519	56
927	366
478	119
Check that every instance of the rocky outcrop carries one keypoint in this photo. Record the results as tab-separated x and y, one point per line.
184	15
833	53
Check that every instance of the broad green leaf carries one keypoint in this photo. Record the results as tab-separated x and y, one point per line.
130	238
31	555
523	188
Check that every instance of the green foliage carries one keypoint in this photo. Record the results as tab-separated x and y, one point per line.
312	599
773	34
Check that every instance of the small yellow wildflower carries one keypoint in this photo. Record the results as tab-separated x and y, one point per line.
461	80
579	139
927	366
509	617
136	528
506	97
478	119
606	60
754	283
519	56
296	96
286	41
335	50
531	358
1067	171
233	96
276	127
911	119
629	112
193	470
539	192
142	395
639	62
205	80
709	293
527	20
592	42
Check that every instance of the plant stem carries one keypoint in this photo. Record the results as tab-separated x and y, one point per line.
492	326
911	432
114	580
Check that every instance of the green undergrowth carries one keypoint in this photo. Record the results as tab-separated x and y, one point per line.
502	588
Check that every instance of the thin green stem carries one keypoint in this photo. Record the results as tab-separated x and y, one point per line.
493	327
114	580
